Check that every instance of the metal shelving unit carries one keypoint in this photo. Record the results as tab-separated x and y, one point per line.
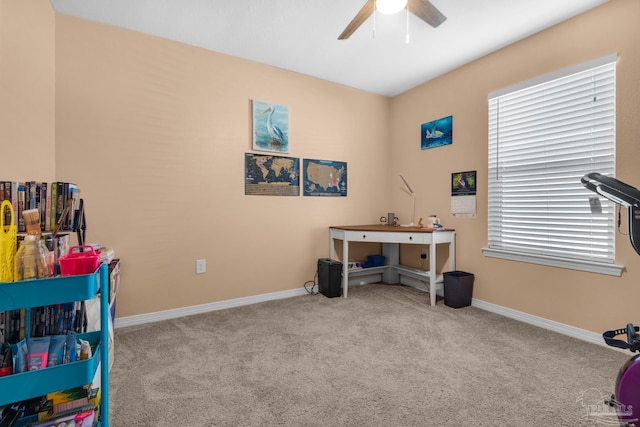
62	289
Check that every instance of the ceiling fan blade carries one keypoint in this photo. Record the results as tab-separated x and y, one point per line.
362	16
424	10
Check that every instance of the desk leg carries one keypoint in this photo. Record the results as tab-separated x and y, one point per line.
332	248
345	267
432	273
452	253
391	252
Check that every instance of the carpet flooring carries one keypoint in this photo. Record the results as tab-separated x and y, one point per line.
382	357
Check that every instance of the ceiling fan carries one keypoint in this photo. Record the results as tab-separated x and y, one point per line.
423	9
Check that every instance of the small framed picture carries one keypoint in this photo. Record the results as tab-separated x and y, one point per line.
270	127
324	178
436	133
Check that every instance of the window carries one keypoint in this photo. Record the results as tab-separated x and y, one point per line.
544	135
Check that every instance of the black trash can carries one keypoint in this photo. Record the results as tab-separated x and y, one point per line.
329	277
458	289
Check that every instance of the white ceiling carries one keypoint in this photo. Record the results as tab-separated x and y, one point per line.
301	35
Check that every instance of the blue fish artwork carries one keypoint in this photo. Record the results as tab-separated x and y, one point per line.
436	133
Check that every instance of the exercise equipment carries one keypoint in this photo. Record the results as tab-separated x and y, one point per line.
626	399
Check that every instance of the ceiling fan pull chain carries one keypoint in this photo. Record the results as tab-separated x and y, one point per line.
407	39
375	10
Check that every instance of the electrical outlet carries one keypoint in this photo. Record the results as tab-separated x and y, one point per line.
423	254
201	266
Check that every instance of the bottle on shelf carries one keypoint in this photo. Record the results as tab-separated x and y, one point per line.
32	261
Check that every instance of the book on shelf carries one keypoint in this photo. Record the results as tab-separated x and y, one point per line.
22	200
65	203
12	325
53	200
45	207
60	201
31	194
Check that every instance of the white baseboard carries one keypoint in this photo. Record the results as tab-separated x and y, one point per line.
561	328
157	316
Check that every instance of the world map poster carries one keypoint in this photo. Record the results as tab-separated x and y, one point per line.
269	175
324	178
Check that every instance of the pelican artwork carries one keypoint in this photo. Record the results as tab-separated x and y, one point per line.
270	127
276	134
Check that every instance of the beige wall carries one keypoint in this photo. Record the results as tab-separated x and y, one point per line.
591	301
27	90
155	133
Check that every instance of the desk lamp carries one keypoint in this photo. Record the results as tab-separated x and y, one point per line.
413	196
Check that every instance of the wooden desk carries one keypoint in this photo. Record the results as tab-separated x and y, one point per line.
391	237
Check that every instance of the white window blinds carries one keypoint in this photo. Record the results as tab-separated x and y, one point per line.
543	137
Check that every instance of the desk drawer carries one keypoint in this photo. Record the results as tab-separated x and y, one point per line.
394	237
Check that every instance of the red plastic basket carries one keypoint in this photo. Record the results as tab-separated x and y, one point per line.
79	260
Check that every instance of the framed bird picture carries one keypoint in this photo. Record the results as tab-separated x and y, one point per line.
270	127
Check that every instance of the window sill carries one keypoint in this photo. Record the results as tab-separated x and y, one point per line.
590	266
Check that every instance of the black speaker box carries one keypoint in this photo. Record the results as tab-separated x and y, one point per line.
330	277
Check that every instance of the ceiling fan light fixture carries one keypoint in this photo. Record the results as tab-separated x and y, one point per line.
389	7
